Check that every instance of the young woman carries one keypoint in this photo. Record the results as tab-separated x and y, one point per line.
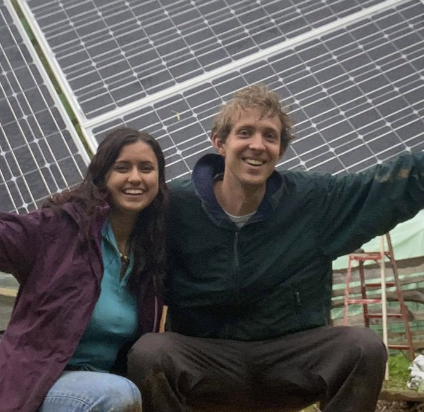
90	264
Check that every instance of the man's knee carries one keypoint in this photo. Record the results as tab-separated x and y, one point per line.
367	340
151	351
154	365
364	343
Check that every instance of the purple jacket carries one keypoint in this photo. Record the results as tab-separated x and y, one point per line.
59	287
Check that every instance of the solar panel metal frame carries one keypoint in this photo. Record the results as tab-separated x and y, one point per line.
25	206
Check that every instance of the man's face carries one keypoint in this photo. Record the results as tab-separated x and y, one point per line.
252	148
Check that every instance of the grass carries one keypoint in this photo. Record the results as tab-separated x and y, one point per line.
398	372
311	408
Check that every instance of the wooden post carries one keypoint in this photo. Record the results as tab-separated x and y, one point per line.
384	299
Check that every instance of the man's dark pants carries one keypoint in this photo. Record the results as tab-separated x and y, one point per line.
341	367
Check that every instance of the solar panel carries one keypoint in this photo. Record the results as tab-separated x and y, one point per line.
356	93
118	52
352	72
40	152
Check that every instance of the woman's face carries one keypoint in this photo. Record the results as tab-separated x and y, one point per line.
133	180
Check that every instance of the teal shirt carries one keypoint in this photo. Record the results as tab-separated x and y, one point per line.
114	319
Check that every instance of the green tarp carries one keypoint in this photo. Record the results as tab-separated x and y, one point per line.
407	239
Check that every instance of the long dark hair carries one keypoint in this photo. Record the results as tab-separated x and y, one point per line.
147	239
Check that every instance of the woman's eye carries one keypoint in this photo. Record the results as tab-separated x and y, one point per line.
120	168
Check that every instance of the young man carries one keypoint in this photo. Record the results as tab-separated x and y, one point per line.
250	280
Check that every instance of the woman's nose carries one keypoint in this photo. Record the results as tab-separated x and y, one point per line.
135	175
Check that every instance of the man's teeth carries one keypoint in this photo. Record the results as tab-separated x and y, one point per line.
134	192
254	162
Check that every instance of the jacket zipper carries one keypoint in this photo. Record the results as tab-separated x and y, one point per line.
236	272
235	248
156	315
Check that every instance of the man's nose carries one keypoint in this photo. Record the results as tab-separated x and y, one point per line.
257	142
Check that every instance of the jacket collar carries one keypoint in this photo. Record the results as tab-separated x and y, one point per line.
209	167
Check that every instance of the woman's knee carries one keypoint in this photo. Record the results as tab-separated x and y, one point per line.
122	395
92	392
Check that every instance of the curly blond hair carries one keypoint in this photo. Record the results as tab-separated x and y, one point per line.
254	96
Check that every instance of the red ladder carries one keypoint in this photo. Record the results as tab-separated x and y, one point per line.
379	257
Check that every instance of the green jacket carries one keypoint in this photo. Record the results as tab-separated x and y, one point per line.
273	276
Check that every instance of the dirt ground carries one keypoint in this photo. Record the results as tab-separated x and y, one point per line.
386	406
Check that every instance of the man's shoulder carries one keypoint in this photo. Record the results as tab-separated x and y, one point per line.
181	185
303	176
181	191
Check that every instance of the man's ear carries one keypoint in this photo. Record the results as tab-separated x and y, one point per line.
218	144
282	151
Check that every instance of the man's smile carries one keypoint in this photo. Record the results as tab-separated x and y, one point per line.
254	162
